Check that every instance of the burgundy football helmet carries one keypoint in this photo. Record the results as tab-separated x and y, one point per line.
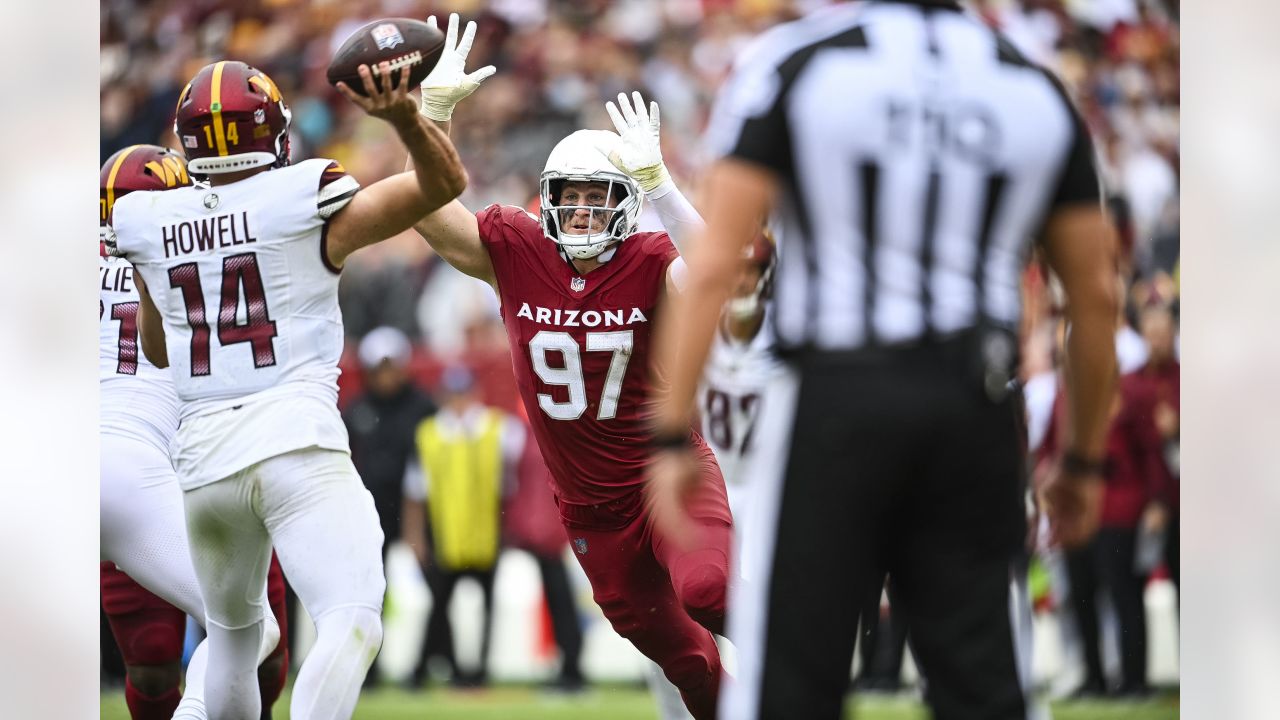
138	167
231	117
762	254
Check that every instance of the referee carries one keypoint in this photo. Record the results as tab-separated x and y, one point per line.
910	157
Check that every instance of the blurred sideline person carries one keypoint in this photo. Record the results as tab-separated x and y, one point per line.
908	153
1160	380
1135	516
532	524
143	535
381	423
578	288
464	467
261	452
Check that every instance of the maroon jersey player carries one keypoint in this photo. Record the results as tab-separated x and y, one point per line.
579	290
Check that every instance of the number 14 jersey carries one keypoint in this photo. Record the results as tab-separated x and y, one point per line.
580	349
240	277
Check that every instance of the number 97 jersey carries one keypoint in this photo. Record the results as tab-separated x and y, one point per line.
734	384
580	350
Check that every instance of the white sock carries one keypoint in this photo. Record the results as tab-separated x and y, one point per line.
232	678
192	705
328	685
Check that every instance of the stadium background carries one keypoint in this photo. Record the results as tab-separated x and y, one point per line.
557	64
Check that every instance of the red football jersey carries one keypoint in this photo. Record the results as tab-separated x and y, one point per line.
580	348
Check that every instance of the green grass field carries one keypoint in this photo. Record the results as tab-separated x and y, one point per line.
631	703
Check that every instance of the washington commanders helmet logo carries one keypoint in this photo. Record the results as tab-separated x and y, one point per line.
578	284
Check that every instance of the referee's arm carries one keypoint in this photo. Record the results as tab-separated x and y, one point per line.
1080	246
1080	249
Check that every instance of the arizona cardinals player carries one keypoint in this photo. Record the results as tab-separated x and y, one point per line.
239	295
142	527
578	288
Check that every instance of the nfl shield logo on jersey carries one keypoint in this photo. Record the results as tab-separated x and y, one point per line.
580	546
578	284
387	36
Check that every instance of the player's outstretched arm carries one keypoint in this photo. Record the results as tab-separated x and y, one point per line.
391	206
454	233
150	326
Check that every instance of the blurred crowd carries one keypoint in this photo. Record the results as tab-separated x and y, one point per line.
558	62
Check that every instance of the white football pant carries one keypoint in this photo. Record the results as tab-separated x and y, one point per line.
313	507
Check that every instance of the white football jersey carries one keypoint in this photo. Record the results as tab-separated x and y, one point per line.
137	399
250	308
729	400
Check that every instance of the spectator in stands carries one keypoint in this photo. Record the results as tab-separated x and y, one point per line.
1135	476
381	424
1160	380
383	420
467	455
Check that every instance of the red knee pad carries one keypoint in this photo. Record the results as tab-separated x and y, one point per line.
148	630
701	582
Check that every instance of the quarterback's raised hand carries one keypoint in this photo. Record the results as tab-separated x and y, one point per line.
392	104
639	152
448	84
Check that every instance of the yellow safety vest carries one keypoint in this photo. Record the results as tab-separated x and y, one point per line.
465	474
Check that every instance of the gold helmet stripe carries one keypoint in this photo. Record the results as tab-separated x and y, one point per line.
215	106
111	177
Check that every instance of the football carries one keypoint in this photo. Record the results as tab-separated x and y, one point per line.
399	41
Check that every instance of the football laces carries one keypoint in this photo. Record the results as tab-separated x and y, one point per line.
403	61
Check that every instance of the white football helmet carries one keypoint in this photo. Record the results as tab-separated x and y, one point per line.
578	158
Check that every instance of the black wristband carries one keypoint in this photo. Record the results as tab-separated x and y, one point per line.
677	440
1074	463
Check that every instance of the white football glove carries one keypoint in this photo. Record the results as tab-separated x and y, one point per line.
639	152
447	84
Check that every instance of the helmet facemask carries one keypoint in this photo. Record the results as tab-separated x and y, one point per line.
760	255
616	223
747	306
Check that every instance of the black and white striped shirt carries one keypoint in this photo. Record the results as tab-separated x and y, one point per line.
919	155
